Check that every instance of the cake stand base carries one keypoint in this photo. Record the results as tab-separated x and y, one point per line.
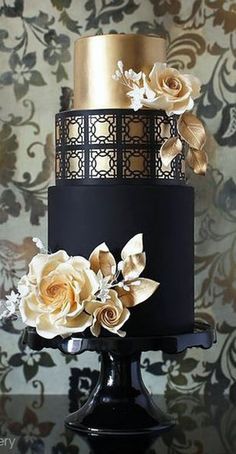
120	404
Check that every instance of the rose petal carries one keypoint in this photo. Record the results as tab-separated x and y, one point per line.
79	263
91	306
43	264
133	266
157	68
194	83
179	107
134	246
27	314
170	148
116	329
95	328
197	160
159	102
192	130
46	329
90	285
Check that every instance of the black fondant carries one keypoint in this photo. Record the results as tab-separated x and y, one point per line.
80	218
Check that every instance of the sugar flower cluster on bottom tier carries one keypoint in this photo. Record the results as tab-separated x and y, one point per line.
62	295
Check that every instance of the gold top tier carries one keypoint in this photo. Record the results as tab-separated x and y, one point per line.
96	60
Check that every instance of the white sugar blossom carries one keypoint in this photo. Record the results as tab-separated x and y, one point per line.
39	244
164	88
23	290
9	306
61	295
132	75
120	65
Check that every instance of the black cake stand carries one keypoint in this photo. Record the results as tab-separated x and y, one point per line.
120	404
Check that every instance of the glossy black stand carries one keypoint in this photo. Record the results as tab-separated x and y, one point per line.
120	404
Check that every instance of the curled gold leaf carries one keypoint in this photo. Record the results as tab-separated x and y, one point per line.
137	293
134	265
197	160
107	263
134	246
192	130
94	256
170	148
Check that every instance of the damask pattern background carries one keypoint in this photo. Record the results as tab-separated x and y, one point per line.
36	45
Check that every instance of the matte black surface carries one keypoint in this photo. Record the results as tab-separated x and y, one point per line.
80	218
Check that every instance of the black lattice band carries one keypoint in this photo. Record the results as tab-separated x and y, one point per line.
114	145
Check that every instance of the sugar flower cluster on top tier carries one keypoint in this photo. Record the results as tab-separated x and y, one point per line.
165	88
62	295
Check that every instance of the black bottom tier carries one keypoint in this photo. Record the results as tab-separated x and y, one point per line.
80	218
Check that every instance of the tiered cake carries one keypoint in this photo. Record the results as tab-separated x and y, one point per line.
111	183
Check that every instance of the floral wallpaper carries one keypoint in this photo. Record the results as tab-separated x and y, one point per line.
36	45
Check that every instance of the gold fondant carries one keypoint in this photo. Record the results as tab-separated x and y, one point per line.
165	130
103	164
135	130
136	164
74	164
100	130
73	132
96	59
58	167
58	133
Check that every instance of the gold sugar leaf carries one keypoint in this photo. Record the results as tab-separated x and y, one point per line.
170	148
94	256
134	246
134	265
107	263
197	160
192	130
137	293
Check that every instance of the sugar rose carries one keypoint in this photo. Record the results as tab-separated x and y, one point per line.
53	294
110	315
169	90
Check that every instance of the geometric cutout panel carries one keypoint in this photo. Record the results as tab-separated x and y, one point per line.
58	166
74	130
135	129
136	164
102	129
164	128
115	144
74	167
58	131
102	163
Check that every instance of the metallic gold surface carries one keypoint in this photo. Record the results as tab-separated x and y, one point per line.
73	164
136	164
169	150
96	59
135	130
103	164
102	129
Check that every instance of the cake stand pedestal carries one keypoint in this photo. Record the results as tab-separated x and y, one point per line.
120	404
